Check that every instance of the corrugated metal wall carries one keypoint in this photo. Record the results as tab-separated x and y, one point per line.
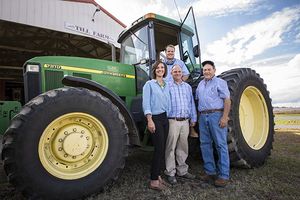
65	16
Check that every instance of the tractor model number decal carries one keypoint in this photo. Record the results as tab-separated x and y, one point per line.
109	73
52	66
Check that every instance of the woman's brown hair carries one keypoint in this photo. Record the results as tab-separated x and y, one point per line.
155	66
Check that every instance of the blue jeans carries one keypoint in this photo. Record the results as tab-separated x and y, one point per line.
210	132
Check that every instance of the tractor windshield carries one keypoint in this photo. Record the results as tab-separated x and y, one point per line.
134	49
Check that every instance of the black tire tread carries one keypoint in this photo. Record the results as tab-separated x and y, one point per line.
12	134
235	78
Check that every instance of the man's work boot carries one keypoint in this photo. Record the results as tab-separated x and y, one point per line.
172	180
208	178
221	182
188	176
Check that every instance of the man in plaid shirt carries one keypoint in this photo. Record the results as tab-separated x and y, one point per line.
182	115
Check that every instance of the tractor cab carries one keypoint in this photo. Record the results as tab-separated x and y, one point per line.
144	42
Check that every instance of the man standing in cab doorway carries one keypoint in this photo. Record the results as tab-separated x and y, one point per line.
171	61
214	106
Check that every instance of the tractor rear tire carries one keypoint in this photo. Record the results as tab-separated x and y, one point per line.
67	143
251	123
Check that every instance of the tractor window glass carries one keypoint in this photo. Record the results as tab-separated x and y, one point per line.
190	45
134	49
188	54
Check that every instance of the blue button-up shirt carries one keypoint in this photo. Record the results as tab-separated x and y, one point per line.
175	61
211	94
156	99
182	101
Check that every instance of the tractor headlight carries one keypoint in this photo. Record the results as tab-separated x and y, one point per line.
32	68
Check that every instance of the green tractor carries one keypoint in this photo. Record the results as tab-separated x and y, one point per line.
71	138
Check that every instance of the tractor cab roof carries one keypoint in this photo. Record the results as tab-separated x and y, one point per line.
166	28
145	19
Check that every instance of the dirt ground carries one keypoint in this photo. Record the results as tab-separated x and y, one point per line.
278	178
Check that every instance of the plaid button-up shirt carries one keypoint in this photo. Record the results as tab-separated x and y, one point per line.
182	101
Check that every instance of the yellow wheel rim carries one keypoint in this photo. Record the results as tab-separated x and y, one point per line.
73	145
254	117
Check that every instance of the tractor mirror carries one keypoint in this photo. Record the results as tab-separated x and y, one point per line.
143	61
196	51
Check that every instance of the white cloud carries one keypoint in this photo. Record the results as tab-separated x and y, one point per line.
242	44
130	10
295	63
283	79
281	74
222	7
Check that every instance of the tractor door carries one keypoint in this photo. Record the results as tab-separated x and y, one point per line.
135	51
189	42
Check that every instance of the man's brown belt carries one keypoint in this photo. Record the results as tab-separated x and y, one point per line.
178	118
210	111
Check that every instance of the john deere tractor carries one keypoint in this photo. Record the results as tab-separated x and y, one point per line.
71	138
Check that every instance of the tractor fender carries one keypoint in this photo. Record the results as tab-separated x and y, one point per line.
73	81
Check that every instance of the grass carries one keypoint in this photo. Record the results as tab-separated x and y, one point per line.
277	179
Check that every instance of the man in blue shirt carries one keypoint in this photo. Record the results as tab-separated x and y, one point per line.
182	115
171	61
214	106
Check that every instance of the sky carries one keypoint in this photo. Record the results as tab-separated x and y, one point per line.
260	34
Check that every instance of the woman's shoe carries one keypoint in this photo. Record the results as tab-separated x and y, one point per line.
160	187
162	181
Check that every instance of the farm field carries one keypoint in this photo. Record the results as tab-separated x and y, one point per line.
287	121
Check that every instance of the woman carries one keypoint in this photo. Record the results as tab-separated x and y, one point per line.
156	101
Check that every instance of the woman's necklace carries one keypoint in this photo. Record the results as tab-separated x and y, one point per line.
162	84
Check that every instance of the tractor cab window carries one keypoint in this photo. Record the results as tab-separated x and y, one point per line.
188	54
134	49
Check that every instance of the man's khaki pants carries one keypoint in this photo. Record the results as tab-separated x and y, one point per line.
177	148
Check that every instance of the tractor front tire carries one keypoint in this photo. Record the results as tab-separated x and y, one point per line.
67	143
251	123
